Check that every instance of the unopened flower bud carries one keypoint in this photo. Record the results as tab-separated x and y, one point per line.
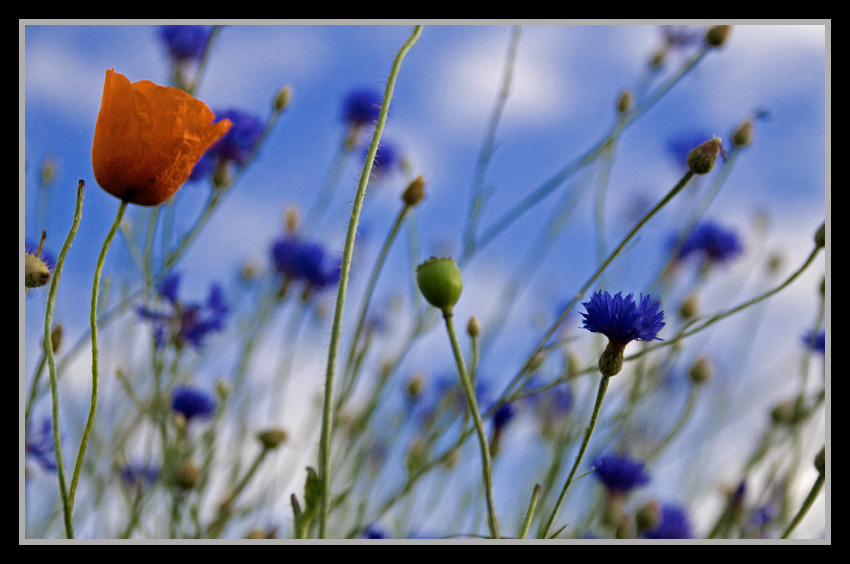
701	370
281	101
701	159
36	271
415	192
56	337
611	360
716	35
440	282
291	219
415	386
271	438
48	170
187	476
743	136
820	460
473	328
820	236
648	516
625	102
690	306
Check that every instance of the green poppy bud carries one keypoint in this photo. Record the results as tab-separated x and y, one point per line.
415	192
440	282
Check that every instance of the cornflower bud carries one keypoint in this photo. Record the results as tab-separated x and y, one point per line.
415	192
272	438
716	35
625	102
690	306
281	101
701	159
440	282
187	476
473	328
701	370
820	460
820	236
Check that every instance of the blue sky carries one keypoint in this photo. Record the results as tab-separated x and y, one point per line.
567	79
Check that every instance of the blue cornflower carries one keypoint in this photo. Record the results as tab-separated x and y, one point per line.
504	414
674	524
301	260
185	42
239	142
192	403
715	244
622	320
185	323
362	107
39	445
815	341
373	532
139	475
620	474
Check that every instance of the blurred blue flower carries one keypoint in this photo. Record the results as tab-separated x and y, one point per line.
620	474
679	146
139	475
185	323
185	42
621	319
362	106
302	260
504	414
674	524
387	158
373	532
239	142
39	445
815	341
715	244
192	403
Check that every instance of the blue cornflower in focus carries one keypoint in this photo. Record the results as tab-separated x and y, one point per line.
815	341
620	474
39	445
192	403
362	107
622	320
713	243
302	260
674	524
185	323
185	42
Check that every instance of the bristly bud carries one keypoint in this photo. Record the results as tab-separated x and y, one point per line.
716	35
415	192
36	271
625	102
701	370
820	236
281	101
272	438
440	282
701	159
473	328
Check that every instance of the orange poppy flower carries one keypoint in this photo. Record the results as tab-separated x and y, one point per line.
148	138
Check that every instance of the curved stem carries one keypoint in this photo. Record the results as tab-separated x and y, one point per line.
67	504
807	503
600	394
327	411
94	352
486	463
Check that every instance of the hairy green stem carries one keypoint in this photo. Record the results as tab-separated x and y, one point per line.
600	394
348	250
94	352
67	505
486	463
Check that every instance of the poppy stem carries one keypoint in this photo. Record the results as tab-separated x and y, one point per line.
348	250
67	506
94	360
